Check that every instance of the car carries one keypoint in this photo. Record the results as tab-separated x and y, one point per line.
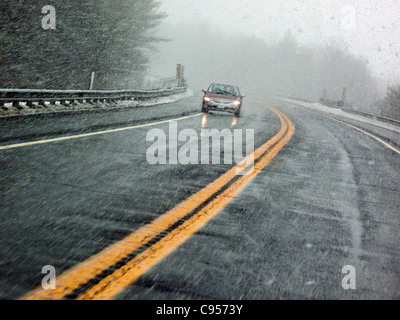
222	97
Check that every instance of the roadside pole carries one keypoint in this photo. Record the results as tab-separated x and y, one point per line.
179	74
91	81
344	94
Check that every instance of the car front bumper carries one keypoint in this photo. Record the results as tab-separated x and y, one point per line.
213	106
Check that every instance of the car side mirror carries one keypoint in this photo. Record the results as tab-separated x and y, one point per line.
242	96
204	91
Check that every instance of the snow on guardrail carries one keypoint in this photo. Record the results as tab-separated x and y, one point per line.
386	123
62	105
67	97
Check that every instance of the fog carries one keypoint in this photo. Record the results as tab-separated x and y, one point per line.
306	49
283	67
369	28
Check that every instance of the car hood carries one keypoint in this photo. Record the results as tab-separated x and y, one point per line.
221	96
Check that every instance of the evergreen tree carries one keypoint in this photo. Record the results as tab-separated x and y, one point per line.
392	102
108	37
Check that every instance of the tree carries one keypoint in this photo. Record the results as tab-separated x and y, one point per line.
108	37
392	102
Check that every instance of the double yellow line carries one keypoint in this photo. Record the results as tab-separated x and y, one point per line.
106	274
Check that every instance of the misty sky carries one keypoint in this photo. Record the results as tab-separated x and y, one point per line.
376	34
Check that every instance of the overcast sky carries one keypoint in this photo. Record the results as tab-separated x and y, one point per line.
375	35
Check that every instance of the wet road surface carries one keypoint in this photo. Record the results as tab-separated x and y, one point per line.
328	199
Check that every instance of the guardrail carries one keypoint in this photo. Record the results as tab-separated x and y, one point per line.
31	96
331	103
373	116
337	105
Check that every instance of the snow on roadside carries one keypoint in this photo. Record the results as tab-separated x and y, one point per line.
339	112
9	110
164	100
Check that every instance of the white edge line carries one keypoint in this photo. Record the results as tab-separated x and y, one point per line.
366	120
25	144
369	134
356	128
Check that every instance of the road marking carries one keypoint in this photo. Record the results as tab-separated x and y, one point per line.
354	127
121	278
115	282
84	135
368	134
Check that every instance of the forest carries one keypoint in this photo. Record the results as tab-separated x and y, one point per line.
109	37
281	67
119	40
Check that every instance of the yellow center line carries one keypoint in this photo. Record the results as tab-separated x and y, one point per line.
112	285
87	270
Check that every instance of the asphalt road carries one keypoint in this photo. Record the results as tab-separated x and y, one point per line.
328	199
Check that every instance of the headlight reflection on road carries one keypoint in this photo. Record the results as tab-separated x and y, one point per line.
234	122
204	121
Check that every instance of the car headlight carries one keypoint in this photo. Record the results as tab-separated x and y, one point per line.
206	99
237	102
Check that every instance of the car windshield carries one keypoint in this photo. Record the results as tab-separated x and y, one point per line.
227	90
